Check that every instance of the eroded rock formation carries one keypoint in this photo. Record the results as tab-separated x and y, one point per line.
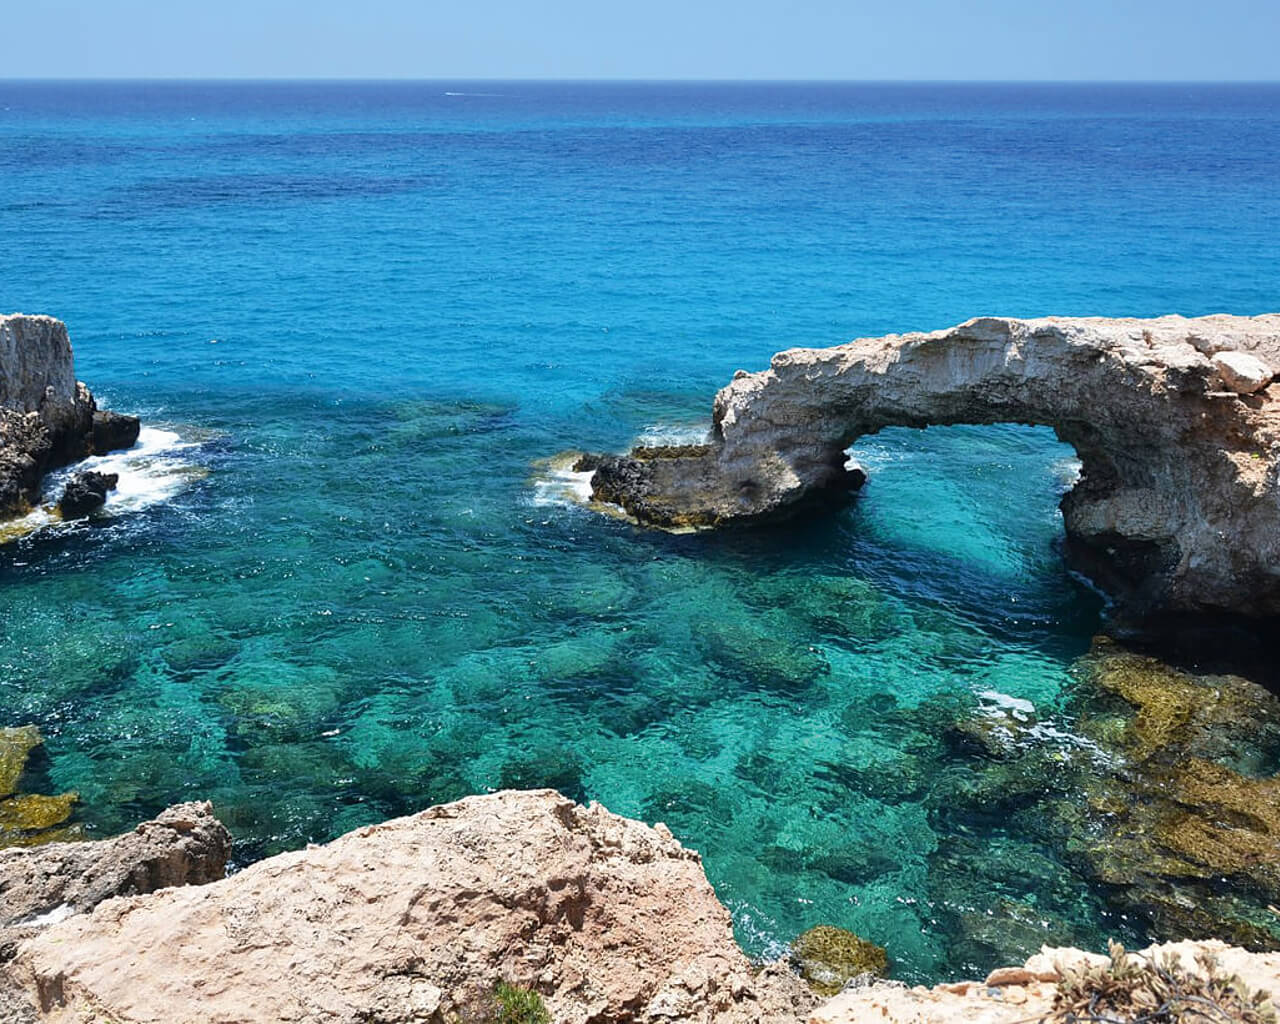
417	919
184	845
47	418
1178	503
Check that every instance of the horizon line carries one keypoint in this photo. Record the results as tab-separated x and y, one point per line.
616	80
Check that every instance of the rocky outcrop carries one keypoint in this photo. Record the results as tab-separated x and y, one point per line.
416	919
1178	502
85	492
47	418
113	431
525	896
184	845
1169	982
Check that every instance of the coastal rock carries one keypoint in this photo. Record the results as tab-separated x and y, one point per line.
1178	502
184	845
416	919
113	431
1241	372
85	492
829	957
47	417
1050	979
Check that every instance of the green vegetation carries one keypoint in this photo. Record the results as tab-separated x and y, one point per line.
516	1005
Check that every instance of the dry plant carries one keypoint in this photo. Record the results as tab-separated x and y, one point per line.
1139	990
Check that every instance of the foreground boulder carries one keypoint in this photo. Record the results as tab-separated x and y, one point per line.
1178	503
184	845
1177	981
48	419
419	919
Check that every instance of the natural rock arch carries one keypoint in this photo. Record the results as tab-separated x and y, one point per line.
1177	506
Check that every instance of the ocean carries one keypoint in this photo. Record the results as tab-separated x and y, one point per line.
342	579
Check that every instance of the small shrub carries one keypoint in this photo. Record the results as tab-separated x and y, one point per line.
1135	989
519	1006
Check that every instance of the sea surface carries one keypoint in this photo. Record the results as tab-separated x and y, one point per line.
342	582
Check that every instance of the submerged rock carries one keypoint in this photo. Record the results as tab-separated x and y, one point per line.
1176	505
420	919
85	492
829	957
32	812
29	819
16	745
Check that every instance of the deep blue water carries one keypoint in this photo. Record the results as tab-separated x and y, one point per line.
352	596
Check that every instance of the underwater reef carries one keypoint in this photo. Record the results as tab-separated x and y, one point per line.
29	819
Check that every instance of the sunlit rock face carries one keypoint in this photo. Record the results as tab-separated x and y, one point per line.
1176	508
47	418
417	920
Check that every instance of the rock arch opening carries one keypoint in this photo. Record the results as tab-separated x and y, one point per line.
1177	504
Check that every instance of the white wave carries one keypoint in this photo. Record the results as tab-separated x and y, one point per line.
155	469
999	703
556	482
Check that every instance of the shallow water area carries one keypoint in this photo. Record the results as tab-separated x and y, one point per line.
344	576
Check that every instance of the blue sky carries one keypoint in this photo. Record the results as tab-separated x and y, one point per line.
825	39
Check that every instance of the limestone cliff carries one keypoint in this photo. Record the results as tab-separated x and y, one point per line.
47	418
1178	503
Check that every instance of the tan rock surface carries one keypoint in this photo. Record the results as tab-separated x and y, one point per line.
1014	994
183	845
1241	372
1178	504
609	919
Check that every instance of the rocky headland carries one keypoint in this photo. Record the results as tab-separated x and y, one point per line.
48	419
1173	419
517	907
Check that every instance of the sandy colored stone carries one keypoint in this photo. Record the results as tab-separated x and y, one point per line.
183	845
1241	372
608	919
1010	976
1178	503
1008	1001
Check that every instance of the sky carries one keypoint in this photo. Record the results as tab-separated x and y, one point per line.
1110	40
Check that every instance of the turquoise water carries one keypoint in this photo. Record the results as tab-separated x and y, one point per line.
359	317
